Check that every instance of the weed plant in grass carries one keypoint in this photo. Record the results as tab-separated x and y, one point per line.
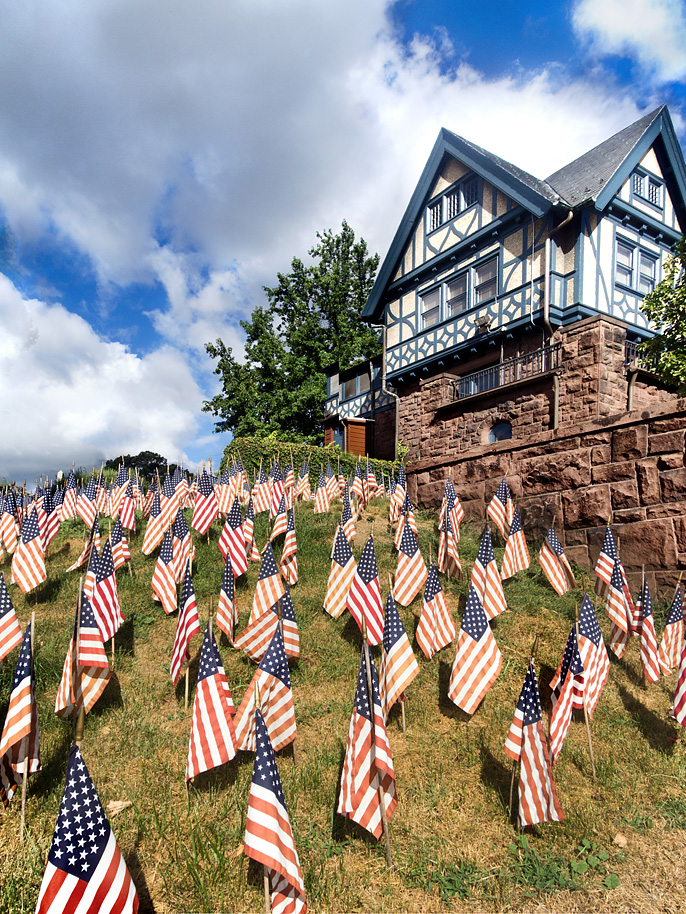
454	845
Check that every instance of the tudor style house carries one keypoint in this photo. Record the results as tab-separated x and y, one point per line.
511	305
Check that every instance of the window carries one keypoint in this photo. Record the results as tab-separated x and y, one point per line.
501	431
350	388
452	203
635	268
647	187
471	287
358	384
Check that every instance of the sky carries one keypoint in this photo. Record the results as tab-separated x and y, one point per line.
161	162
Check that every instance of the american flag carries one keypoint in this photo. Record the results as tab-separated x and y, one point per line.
280	520
568	687
232	540
9	529
105	597
121	553
19	740
91	571
593	654
184	550
357	488
223	491
342	483
213	738
277	489
398	664
92	542
515	735
321	500
288	486
451	505
406	517
249	533
332	487
554	563
69	497
516	556
87	873
227	608
10	630
538	800
260	492
398	496
257	636
302	486
205	508
269	587
605	564
164	577
368	761
268	835
436	627
501	509
672	636
155	528
486	579
364	596
52	518
679	705
347	519
411	573
478	660
618	610
28	561
127	509
448	557
86	670
289	554
273	680
649	661
187	626
86	507
341	576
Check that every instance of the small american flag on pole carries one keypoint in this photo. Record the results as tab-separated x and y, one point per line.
269	587
486	578
85	874
10	630
19	739
436	627
398	664
554	563
501	509
205	508
672	636
516	556
163	578
341	575
227	609
187	626
593	654
478	660
28	561
364	596
568	688
289	554
268	834
649	661
411	573
232	540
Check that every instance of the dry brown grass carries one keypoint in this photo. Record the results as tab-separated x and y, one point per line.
453	842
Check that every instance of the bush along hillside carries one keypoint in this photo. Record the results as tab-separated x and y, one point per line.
453	837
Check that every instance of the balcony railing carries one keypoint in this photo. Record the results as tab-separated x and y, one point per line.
521	368
634	358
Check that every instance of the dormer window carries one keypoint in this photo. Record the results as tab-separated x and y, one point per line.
453	202
648	188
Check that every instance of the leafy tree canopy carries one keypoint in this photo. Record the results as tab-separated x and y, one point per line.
311	321
665	306
147	462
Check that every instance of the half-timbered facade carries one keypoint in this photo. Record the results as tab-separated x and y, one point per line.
509	304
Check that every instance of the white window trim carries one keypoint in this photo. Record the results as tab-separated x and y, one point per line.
647	180
637	255
442	288
440	203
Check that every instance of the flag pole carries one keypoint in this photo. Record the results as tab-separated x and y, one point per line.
25	748
588	725
370	692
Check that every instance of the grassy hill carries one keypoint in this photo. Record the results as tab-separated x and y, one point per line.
454	845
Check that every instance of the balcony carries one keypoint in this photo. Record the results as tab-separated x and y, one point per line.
635	360
513	371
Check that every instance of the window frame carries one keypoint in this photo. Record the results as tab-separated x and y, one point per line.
641	183
639	256
356	378
439	210
469	274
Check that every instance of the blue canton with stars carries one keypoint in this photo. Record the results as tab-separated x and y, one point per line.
286	601
227	578
265	774
362	691
408	541
571	659
646	602
342	553
234	516
588	622
676	612
24	665
180	526
187	590
275	661
250	513
82	829
393	629
609	547
554	542
433	585
516	525
529	704
166	552
503	493
268	567
485	554
210	660
168	488
205	485
87	614
30	529
6	605
367	568
474	621
105	563
617	581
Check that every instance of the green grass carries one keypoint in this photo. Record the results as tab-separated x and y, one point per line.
453	841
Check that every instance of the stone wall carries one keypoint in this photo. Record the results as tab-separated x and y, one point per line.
629	467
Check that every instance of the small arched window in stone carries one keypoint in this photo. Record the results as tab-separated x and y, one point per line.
501	431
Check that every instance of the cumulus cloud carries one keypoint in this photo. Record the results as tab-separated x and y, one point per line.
66	394
651	31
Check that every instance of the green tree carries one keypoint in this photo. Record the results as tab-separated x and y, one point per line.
665	307
146	461
311	321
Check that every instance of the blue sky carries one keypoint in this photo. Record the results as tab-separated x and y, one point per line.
161	162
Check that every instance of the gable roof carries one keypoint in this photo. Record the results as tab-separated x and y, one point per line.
595	177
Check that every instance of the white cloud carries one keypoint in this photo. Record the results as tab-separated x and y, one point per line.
67	395
652	31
